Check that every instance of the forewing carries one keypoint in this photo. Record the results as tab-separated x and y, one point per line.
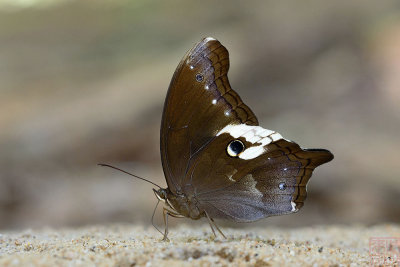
199	103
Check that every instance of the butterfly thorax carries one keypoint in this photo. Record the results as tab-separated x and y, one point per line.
184	205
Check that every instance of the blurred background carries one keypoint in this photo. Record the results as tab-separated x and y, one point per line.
84	82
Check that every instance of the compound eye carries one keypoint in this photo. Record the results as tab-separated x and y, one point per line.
234	148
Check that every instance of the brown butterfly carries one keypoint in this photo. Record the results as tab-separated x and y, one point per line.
218	163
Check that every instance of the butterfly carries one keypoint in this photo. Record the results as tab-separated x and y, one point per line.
218	162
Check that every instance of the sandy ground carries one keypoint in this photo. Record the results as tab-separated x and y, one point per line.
127	245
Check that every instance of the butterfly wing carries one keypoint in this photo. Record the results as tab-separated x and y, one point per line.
199	103
268	178
202	115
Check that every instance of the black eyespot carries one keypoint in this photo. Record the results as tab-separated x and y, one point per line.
234	148
199	77
282	186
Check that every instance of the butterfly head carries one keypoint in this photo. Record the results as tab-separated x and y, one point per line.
161	194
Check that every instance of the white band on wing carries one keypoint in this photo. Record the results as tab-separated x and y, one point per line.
253	134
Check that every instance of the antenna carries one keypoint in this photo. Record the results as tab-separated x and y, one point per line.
118	169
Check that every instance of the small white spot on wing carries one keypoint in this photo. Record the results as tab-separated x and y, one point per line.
293	206
214	101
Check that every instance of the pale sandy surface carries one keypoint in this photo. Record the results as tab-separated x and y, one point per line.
126	245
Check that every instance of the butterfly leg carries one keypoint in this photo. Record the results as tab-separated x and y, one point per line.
211	222
212	228
216	226
152	218
167	212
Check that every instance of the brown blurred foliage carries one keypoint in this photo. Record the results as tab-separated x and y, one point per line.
83	82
